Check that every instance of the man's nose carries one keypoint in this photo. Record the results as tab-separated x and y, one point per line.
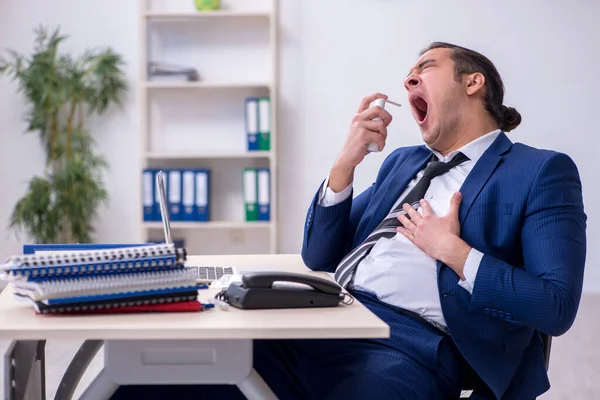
412	81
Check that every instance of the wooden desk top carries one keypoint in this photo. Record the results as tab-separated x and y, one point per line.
18	321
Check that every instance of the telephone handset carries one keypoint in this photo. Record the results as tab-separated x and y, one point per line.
261	290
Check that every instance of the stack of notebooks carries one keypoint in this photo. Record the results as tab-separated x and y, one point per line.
146	278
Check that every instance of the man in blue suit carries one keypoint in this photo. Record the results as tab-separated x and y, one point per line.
489	254
469	247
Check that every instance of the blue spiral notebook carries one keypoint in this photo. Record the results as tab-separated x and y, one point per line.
98	278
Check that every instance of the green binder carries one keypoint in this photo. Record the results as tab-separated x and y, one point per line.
264	123
250	188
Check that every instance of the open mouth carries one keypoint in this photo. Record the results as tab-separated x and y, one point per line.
421	107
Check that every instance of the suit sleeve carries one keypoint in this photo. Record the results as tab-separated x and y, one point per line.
329	231
545	292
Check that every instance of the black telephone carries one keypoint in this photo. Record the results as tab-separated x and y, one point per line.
261	290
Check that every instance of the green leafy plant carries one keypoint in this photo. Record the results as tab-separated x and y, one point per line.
62	91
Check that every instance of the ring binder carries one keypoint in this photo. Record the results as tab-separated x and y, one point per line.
146	301
96	256
52	289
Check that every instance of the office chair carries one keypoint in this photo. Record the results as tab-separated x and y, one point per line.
471	377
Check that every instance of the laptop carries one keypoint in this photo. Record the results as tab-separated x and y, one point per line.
206	274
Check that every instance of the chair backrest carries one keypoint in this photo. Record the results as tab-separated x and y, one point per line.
547	342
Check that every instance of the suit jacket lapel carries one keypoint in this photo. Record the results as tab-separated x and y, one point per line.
481	172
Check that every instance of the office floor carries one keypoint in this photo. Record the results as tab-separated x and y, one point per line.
574	363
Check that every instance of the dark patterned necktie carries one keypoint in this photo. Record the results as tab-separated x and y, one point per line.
387	228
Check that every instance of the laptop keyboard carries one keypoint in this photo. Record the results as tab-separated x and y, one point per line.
212	273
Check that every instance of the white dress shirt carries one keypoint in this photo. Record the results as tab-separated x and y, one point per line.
396	270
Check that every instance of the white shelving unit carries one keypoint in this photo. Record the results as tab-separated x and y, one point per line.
201	124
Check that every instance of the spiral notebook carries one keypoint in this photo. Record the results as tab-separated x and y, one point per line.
108	279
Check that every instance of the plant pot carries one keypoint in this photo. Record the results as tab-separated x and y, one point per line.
207	5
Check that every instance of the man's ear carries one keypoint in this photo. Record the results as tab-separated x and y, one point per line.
474	83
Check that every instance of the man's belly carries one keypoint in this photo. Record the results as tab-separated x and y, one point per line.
399	273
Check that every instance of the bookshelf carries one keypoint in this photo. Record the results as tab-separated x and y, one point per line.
201	124
170	16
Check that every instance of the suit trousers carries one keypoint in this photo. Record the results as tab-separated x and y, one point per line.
417	362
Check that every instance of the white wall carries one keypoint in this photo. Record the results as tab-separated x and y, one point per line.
333	53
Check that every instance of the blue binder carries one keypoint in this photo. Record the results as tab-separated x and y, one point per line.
202	195
174	192
188	194
148	183
264	194
251	122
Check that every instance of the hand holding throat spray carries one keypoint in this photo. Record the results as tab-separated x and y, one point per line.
381	103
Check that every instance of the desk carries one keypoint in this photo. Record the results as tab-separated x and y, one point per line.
213	346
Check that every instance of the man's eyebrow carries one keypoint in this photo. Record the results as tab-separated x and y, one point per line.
422	64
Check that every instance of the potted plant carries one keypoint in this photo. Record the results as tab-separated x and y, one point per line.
62	91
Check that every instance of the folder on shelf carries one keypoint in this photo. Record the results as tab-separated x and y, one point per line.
250	195
188	178
251	119
264	123
202	197
174	195
148	195
264	194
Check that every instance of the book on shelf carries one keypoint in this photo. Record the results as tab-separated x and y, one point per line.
143	278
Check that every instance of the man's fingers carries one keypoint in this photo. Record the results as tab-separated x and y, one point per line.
376	111
366	101
406	233
414	214
376	126
455	204
427	210
406	222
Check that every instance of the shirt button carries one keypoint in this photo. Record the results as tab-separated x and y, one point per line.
429	196
508	316
486	310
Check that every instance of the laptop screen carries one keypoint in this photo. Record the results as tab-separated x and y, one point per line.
164	210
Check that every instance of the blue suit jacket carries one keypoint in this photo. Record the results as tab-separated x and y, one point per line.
522	207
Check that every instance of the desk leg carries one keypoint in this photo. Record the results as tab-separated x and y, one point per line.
76	369
255	388
101	388
25	371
